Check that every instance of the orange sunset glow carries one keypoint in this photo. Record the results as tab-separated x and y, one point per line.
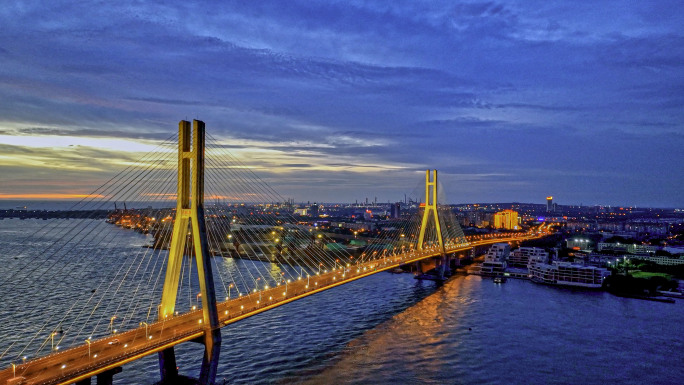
49	196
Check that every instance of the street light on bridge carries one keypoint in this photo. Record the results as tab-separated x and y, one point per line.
146	326
52	340
111	324
229	286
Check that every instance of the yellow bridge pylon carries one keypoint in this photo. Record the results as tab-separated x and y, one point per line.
430	210
430	213
190	214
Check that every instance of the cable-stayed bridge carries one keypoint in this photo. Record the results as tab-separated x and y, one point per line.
198	205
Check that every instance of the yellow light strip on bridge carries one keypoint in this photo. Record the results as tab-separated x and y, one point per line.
132	358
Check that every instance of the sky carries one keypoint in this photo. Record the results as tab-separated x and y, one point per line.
341	100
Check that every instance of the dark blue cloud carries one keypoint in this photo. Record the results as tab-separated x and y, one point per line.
512	100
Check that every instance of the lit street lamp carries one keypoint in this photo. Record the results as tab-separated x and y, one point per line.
146	326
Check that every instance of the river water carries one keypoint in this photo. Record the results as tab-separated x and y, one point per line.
393	329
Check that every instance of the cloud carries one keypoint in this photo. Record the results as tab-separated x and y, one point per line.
509	98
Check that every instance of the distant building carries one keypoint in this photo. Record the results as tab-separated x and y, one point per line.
667	260
549	204
578	243
480	218
642	249
630	248
597	259
355	226
642	227
628	229
313	210
674	250
507	219
301	211
614	247
495	259
395	210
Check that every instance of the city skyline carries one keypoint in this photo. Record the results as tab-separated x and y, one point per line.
336	102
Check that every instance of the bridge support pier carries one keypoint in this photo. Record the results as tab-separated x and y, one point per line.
212	347
433	269
446	261
457	261
104	378
107	378
167	366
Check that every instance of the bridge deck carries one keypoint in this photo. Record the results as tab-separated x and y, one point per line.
80	362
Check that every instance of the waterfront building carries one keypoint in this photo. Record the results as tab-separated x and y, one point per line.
495	259
568	274
538	258
522	256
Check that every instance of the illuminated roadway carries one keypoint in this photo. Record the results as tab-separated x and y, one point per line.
84	361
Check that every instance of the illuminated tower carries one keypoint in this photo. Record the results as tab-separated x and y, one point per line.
430	210
549	204
190	221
